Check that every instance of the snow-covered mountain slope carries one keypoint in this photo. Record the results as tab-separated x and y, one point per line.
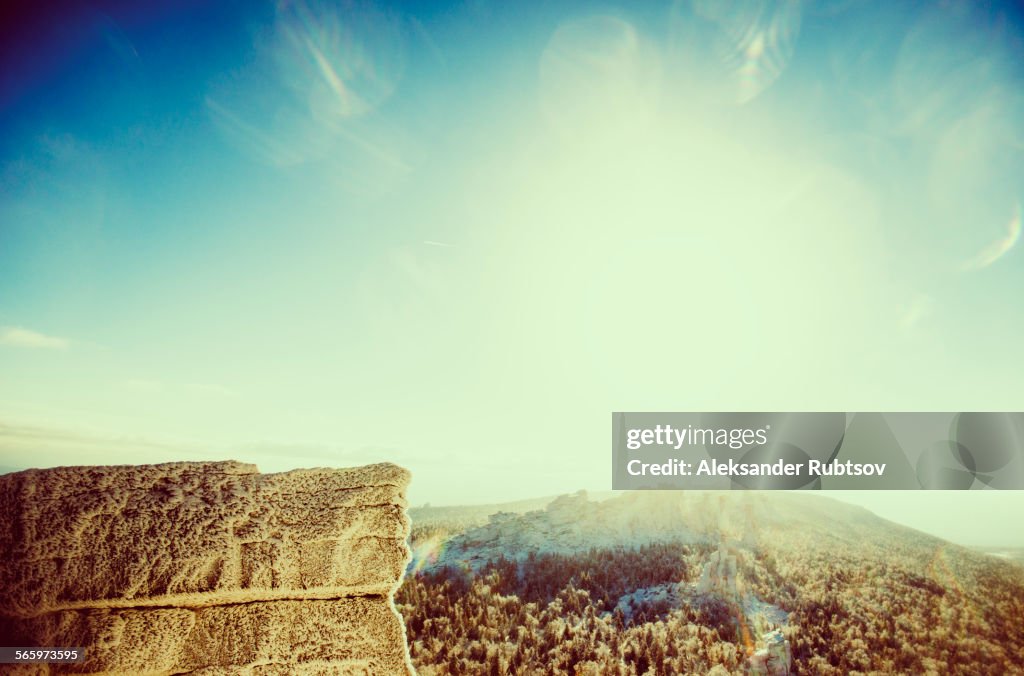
570	524
573	523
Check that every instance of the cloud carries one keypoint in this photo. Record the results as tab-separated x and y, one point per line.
26	444
33	445
16	336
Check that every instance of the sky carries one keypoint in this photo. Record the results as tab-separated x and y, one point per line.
457	236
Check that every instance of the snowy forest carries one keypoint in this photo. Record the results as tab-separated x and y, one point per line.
862	595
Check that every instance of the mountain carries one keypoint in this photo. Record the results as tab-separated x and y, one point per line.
1014	554
462	517
572	524
702	582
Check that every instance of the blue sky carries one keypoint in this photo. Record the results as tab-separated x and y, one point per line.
458	236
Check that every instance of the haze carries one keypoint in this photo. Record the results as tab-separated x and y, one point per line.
456	239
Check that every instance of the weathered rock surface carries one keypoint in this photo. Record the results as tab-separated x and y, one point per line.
206	567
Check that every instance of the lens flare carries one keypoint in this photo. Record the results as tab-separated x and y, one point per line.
754	41
427	551
598	71
999	248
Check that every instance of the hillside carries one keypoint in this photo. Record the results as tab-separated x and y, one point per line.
572	524
657	582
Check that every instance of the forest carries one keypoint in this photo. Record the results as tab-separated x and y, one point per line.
898	602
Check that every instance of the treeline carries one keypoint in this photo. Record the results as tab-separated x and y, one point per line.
890	605
606	574
898	609
462	624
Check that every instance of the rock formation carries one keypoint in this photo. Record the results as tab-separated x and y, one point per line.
774	659
568	525
719	574
206	567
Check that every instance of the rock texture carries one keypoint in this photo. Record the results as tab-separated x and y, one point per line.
206	567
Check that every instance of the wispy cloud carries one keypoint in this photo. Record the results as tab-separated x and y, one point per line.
24	445
16	336
33	445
